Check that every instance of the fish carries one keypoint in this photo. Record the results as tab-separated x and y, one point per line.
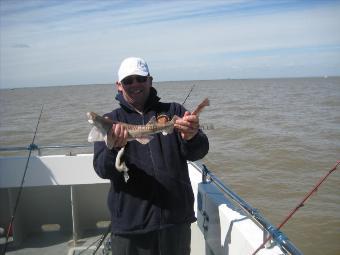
141	133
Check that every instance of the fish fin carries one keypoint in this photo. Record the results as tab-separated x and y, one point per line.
152	121
95	135
170	129
144	139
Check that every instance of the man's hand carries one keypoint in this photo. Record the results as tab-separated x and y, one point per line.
117	136
188	125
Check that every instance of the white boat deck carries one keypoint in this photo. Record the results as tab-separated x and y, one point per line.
63	210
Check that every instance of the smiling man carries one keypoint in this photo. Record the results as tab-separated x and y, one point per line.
134	82
151	213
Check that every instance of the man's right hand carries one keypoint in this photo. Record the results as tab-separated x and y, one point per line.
117	136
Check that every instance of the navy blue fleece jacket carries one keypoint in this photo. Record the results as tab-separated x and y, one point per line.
158	193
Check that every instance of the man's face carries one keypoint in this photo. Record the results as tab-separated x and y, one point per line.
136	90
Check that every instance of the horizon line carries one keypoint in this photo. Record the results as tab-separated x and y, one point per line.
217	79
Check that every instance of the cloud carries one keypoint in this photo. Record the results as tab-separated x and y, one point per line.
83	42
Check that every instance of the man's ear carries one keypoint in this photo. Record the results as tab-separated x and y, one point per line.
119	86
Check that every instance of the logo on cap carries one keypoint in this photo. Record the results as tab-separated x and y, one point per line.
141	65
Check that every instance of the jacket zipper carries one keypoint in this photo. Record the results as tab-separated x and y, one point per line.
153	170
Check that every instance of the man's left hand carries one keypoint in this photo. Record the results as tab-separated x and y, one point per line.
188	125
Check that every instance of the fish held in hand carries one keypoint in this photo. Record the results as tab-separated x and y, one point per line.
141	133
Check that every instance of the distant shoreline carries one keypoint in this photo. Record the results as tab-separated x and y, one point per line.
175	81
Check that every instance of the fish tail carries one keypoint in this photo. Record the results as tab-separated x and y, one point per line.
120	162
201	106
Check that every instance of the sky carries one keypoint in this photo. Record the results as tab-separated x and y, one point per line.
56	42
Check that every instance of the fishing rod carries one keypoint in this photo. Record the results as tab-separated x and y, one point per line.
31	148
100	240
103	237
192	87
299	205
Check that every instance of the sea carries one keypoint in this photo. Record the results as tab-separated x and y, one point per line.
271	140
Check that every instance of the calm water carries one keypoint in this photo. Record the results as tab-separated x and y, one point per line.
272	140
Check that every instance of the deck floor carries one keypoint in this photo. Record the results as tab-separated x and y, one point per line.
53	244
57	243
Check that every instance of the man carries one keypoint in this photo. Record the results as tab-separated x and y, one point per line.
152	212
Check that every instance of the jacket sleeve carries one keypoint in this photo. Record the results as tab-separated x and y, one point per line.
104	161
196	148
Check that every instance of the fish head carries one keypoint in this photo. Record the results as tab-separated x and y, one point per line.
91	116
100	122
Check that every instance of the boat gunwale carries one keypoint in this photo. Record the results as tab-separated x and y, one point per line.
278	236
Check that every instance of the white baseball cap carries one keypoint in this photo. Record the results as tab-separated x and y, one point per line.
132	66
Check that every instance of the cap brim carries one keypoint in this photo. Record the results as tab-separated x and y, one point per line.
137	72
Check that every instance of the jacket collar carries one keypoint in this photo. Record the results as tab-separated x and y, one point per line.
153	98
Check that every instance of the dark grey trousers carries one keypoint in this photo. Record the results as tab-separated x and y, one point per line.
174	240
